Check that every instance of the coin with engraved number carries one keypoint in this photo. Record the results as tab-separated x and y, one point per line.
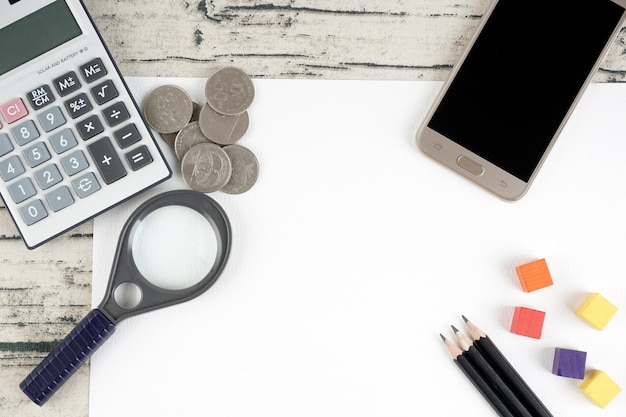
188	137
229	91
168	109
206	168
245	169
222	129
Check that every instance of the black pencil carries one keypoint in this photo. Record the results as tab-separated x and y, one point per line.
479	382
490	375
503	367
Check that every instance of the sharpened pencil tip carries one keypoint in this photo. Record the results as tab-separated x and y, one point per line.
442	337
464	318
454	329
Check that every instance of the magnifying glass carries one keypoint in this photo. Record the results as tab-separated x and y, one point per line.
184	222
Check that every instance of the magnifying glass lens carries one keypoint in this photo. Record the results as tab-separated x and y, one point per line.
174	247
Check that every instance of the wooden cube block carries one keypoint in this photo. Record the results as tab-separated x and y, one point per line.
534	275
599	388
569	363
597	311
527	322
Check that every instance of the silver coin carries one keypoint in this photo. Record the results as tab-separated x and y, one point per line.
206	168
195	116
169	138
245	169
222	129
188	137
168	109
229	91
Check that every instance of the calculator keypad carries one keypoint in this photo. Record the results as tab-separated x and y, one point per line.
42	161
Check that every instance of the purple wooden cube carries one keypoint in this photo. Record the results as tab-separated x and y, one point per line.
569	363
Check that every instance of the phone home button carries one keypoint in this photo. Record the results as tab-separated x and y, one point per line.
470	165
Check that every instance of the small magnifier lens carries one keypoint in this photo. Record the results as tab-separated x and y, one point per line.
174	247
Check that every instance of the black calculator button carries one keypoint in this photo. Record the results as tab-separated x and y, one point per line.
90	127
78	106
138	158
126	136
106	159
40	97
93	70
67	83
116	114
105	92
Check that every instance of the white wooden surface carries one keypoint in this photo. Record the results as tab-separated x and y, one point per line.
44	292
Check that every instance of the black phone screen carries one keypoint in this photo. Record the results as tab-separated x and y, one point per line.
521	77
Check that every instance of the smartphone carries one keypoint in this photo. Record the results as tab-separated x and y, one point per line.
507	99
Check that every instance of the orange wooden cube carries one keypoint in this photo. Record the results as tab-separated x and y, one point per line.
534	275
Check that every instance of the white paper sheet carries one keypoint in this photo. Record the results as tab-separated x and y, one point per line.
354	251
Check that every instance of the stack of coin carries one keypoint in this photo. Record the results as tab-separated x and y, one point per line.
204	136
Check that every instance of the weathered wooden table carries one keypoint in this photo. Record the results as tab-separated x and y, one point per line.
44	292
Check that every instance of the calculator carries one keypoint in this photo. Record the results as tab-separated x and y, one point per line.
73	142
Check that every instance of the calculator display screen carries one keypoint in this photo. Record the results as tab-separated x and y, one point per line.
36	34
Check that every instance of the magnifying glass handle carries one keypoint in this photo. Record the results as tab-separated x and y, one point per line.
60	364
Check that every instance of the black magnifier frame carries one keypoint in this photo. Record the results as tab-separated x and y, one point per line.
125	269
99	324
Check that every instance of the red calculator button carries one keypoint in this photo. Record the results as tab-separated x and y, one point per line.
13	110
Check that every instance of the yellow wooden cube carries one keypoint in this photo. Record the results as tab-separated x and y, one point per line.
599	388
597	311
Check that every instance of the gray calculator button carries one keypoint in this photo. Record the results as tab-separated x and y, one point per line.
116	114
93	70
74	163
48	176
51	119
63	140
90	127
11	168
78	106
86	185
33	212
60	198
108	162
5	144
36	154
105	92
40	97
25	132
126	136
139	157
67	83
22	190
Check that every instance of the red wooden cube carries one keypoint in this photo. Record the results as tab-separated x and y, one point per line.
528	322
